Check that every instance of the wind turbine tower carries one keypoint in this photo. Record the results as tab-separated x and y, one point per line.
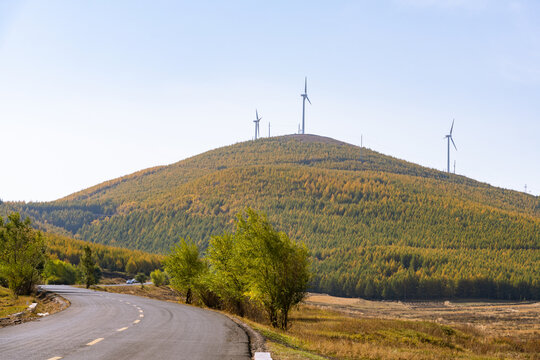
449	138
304	98
256	121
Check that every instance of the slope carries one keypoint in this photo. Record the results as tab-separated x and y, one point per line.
377	226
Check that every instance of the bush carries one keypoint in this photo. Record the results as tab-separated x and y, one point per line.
158	277
59	272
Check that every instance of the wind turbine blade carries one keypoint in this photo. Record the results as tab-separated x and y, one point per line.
256	114
452	128
453	143
305	86
308	100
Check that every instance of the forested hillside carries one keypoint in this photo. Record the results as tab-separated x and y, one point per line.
376	226
107	257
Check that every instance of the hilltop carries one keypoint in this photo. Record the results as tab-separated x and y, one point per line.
376	226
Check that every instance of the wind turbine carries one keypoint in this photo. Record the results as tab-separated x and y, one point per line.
449	138
304	98
256	121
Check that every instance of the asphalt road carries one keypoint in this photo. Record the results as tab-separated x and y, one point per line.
100	325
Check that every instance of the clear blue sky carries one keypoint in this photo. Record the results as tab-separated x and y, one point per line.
92	90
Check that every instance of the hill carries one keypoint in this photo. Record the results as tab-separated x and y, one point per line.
376	226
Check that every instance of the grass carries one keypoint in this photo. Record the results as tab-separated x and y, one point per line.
11	305
316	333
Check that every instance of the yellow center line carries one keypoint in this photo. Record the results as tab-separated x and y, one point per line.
55	358
95	341
122	329
137	321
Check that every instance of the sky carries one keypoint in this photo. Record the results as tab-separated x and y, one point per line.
93	90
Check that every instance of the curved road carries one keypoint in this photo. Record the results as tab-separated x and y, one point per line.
100	325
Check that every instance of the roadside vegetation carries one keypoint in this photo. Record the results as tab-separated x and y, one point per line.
10	304
22	255
256	268
316	333
29	257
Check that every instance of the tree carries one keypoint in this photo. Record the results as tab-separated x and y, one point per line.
141	278
275	268
131	267
90	271
22	254
185	268
227	269
158	277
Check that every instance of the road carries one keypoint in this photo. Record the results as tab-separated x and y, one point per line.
100	325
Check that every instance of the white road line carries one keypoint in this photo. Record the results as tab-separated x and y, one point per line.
55	358
137	321
128	303
141	315
140	311
122	329
95	341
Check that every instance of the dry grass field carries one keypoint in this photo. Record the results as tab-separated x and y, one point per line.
501	318
327	327
318	333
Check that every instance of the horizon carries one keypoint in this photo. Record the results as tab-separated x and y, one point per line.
90	92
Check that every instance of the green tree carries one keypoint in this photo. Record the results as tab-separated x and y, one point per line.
59	272
226	266
185	267
141	278
274	267
90	271
22	254
158	277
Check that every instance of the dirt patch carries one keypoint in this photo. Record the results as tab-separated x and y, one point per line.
149	291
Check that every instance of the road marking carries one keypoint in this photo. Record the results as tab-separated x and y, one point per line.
137	321
140	311
55	358
122	329
95	341
128	303
141	315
